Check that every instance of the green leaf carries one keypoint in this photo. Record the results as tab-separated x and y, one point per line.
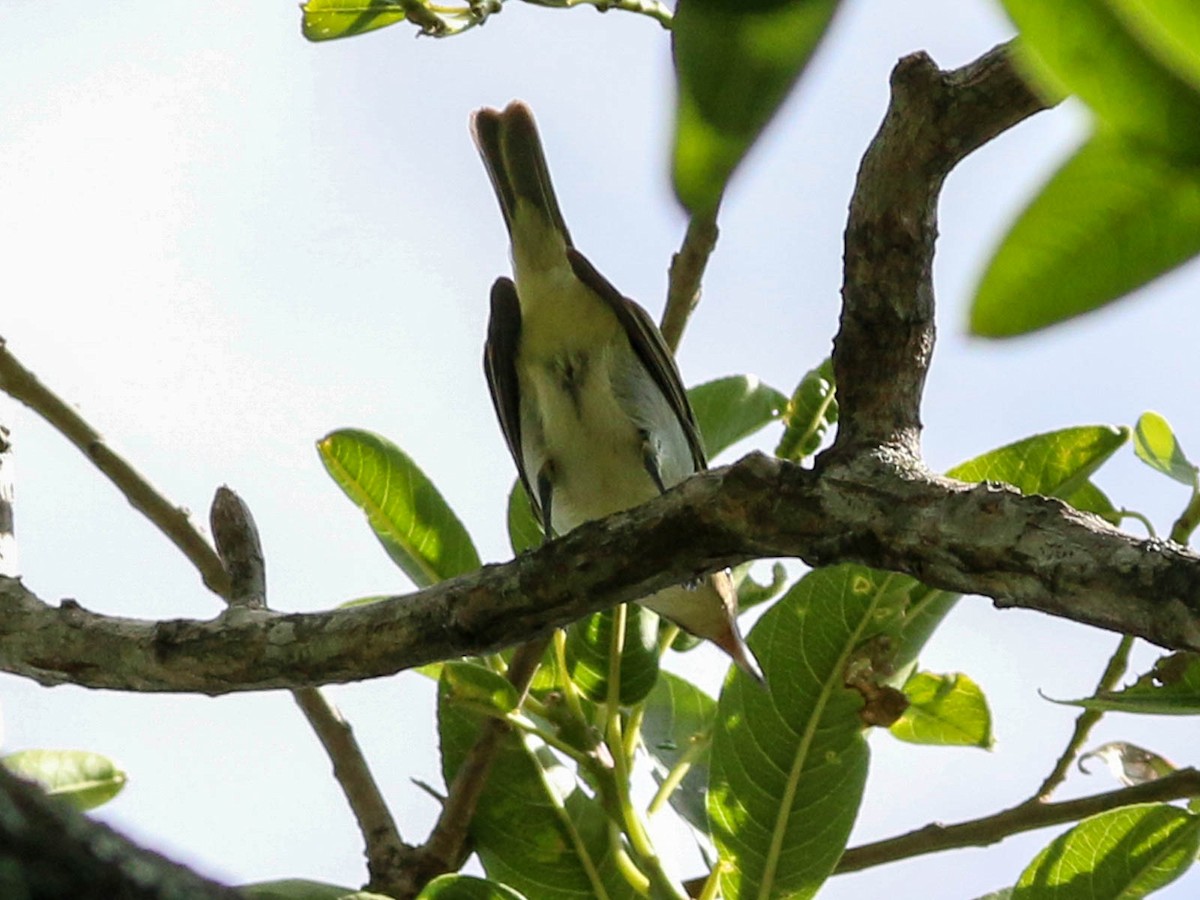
1128	763
302	889
677	729
788	765
1089	498
809	415
1168	29
1156	445
735	63
473	683
589	644
1111	219
1111	53
1172	687
328	20
534	829
417	528
1055	464
733	408
750	592
945	710
524	532
1123	853
86	779
465	887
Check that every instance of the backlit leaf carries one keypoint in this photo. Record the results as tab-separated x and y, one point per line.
410	518
1123	853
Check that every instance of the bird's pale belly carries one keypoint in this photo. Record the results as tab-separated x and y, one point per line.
596	454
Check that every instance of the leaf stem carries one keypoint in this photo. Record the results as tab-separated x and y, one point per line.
1029	815
698	744
1189	519
1113	671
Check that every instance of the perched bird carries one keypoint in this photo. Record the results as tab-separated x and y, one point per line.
587	393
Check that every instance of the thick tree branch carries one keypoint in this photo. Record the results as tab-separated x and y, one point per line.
1031	552
882	352
1028	816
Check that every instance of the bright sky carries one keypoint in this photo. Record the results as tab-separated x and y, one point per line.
222	242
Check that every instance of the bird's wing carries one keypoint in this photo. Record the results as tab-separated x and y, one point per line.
647	342
499	365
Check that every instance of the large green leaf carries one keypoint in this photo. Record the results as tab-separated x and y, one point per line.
1123	853
788	765
1111	219
735	62
328	20
810	413
534	829
1172	687
1056	463
465	887
589	648
1115	54
677	730
1156	445
945	710
733	408
86	779
419	531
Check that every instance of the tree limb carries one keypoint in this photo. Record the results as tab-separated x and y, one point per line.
1032	552
1028	816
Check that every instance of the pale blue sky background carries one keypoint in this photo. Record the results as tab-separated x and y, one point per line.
222	242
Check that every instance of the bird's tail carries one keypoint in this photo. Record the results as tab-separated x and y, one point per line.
512	152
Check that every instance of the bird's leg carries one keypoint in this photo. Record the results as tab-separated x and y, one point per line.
545	492
650	461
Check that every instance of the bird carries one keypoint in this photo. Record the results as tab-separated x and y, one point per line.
587	393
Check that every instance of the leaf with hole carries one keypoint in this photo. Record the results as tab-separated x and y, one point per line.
787	766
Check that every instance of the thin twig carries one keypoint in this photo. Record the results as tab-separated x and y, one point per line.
1027	816
386	852
241	554
449	843
1086	721
174	522
686	273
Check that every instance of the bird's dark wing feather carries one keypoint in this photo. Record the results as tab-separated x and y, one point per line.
651	349
500	367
